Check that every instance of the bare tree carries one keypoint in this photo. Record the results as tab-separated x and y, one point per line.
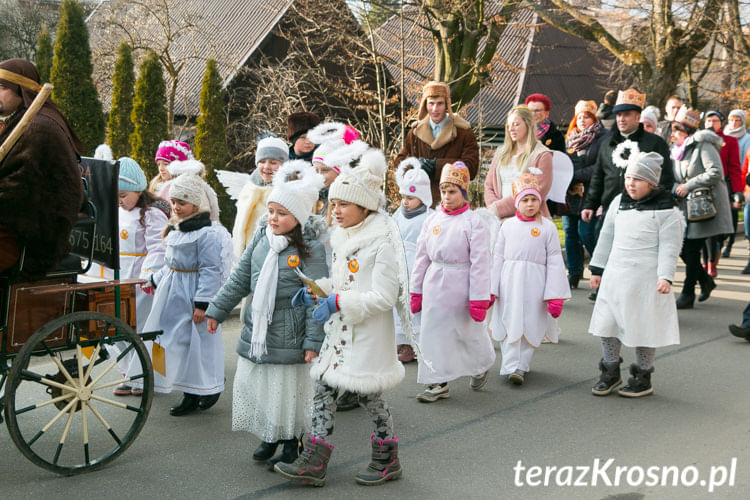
21	23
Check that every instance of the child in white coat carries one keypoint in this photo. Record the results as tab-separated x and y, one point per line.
528	280
633	267
184	286
416	200
450	284
368	278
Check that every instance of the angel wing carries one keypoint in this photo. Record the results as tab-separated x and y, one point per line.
233	182
493	224
562	174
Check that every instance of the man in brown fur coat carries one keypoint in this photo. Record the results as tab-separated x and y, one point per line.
439	137
40	181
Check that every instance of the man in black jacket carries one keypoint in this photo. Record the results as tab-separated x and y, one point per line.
608	179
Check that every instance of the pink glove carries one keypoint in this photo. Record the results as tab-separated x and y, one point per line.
478	309
555	307
492	300
415	302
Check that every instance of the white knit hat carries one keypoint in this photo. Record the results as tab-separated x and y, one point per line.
273	148
648	115
414	182
362	185
190	166
192	189
295	187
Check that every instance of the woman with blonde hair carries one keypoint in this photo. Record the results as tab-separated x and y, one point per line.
519	152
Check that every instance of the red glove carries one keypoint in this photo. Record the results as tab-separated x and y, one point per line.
555	307
415	302
478	309
492	300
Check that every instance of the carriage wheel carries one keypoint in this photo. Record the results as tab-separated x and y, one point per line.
59	405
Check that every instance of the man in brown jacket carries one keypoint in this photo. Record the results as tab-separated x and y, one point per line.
439	137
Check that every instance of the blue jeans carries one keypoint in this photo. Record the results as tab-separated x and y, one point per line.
577	235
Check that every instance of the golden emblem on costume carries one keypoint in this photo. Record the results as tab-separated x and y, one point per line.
535	232
353	265
319	206
124	234
292	261
436	230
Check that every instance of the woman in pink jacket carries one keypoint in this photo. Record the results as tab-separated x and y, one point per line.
520	151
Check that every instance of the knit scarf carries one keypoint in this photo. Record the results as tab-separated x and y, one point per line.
264	297
542	128
409	214
578	140
737	133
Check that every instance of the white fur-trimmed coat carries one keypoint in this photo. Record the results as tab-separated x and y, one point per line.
359	350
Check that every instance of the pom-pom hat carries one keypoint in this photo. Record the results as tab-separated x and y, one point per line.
362	185
456	173
526	184
629	100
271	148
414	181
172	150
131	176
645	166
295	187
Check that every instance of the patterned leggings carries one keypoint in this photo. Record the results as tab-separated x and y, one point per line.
644	356
324	412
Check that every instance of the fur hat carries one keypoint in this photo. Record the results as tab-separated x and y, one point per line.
271	148
645	166
172	150
299	123
362	185
456	173
689	117
526	184
191	166
339	144
103	152
192	189
295	187
413	182
435	89
131	176
629	100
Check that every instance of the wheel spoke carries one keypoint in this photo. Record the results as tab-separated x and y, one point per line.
93	358
79	359
46	403
115	403
104	423
64	435
52	422
64	371
84	405
116	382
126	351
43	380
106	371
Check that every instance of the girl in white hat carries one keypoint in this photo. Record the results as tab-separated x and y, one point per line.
184	286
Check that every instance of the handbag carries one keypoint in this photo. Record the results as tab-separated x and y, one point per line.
700	205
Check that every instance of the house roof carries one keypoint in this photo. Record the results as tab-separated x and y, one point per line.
530	57
227	30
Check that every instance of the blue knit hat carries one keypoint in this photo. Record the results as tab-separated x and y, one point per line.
131	177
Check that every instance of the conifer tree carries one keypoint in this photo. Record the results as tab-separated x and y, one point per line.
149	114
120	125
43	55
71	71
210	136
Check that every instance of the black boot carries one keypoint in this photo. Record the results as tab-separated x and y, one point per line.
573	280
639	384
206	402
188	404
288	455
747	267
685	300
706	287
609	378
347	401
265	451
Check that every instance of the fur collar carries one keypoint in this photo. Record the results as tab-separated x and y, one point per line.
708	136
424	133
192	223
346	241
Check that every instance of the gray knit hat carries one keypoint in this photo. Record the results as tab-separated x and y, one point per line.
273	148
645	166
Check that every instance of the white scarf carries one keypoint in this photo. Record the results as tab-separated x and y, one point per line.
264	297
735	132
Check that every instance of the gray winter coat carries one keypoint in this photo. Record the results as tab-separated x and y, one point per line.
701	167
292	330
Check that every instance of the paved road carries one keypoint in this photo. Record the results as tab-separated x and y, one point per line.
469	445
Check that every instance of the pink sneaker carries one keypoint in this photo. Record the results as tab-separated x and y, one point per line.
123	390
406	353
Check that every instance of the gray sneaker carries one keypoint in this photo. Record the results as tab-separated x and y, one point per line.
433	393
516	377
478	381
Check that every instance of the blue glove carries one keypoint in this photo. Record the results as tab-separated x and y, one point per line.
326	307
302	298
